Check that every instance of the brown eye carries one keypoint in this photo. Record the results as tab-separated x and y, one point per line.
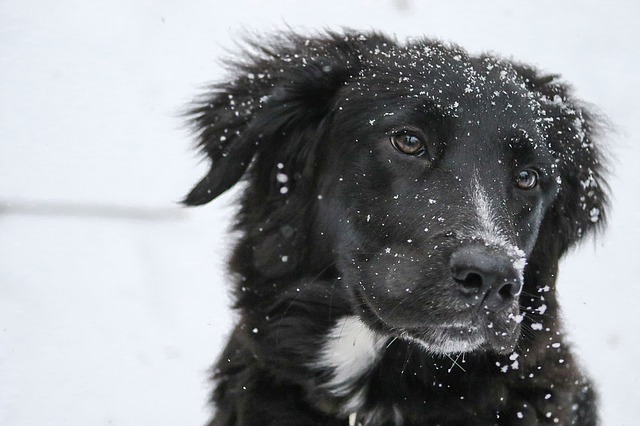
527	179
408	143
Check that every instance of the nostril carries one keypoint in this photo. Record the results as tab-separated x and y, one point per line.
507	291
510	290
499	296
472	281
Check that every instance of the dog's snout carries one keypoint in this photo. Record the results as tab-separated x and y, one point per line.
485	277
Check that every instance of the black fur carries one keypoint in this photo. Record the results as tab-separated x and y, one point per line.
337	222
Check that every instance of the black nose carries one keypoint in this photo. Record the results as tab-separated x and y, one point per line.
485	277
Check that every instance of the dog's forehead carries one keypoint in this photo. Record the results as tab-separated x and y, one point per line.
483	96
445	76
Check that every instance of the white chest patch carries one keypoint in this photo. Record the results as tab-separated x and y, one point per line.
350	350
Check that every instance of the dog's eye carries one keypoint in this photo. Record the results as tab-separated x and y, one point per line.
527	179
408	143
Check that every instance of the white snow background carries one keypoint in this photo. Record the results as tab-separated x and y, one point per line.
113	300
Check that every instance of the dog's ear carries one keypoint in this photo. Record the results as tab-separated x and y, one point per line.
276	91
268	125
573	134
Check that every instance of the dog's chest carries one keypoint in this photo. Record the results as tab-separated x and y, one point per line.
359	388
348	354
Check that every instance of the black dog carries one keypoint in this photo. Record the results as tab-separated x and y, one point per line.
404	212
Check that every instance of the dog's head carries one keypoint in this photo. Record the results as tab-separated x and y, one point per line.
442	187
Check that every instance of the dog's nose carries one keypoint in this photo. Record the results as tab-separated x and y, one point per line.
485	277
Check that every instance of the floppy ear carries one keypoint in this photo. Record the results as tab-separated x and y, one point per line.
278	91
579	209
267	125
573	136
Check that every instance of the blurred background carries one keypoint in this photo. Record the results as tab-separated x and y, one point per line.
113	299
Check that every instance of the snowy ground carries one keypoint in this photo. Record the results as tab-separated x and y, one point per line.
113	300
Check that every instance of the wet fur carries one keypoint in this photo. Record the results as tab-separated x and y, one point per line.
339	231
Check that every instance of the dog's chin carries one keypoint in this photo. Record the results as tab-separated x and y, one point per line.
446	339
498	333
455	339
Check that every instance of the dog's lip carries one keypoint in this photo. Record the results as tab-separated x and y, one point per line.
368	313
448	328
446	338
476	332
455	331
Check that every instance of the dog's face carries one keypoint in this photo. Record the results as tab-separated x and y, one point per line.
426	175
439	177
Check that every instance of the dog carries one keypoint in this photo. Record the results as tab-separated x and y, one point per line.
404	209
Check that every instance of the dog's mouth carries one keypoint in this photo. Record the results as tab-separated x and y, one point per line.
482	331
448	339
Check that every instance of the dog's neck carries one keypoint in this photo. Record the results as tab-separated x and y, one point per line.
360	361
